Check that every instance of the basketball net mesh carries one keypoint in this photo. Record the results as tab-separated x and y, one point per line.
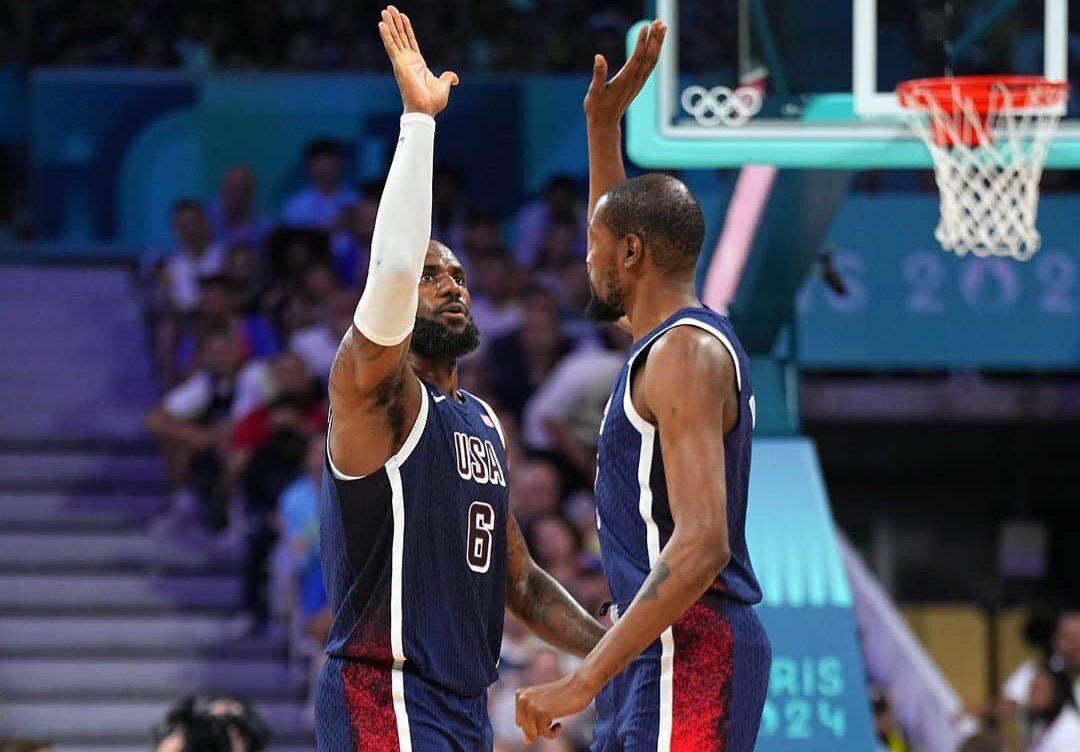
988	160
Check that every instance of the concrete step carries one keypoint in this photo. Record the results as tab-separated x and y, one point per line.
145	678
40	594
102	551
33	285
164	635
76	511
66	468
108	725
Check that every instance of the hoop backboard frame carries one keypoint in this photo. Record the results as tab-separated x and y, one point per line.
858	130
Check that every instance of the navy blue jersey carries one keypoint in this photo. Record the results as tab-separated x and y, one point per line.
701	686
414	555
633	513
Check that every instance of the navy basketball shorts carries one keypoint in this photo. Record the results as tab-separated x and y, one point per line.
700	688
364	708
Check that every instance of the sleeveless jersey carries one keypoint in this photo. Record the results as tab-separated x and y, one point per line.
633	513
414	555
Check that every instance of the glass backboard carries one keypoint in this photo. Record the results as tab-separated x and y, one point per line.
798	84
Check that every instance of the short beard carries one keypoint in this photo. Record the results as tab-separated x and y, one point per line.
611	308
433	341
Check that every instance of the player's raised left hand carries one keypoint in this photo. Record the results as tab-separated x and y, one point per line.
538	707
606	101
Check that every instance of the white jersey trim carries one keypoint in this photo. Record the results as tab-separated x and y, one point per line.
407	448
628	403
397	641
652	538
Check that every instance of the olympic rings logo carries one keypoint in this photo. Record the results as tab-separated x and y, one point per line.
720	105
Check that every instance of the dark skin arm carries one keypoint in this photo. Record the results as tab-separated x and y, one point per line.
606	103
542	604
164	425
374	394
686	415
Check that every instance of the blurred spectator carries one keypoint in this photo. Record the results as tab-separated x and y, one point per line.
197	256
287	377
536	490
522	359
481	237
305	299
555	546
244	269
449	209
19	744
320	205
1051	704
982	741
290	254
559	204
275	464
211	724
191	423
495	284
564	415
1058	641
219	308
890	737
560	268
317	343
298	518
232	215
350	245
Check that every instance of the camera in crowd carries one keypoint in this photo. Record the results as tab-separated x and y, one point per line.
211	724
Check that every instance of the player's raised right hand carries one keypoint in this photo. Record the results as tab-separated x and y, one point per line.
421	90
606	101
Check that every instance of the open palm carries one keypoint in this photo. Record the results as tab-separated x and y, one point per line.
421	90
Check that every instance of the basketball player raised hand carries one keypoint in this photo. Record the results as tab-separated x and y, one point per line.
420	553
685	666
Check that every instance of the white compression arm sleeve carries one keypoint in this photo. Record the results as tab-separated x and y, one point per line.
387	308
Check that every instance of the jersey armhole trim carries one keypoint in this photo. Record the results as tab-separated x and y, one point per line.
407	448
643	426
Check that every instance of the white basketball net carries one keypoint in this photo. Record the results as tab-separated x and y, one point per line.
988	167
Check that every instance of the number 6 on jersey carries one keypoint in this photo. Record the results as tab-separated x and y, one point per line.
481	527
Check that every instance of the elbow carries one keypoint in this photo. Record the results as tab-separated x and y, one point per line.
721	556
712	551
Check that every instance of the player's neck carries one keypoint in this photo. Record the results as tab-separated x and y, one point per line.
656	300
441	373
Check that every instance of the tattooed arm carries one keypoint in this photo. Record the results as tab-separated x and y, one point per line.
534	596
372	392
692	416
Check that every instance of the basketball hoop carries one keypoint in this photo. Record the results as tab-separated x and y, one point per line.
988	136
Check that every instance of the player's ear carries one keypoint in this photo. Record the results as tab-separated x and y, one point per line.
633	250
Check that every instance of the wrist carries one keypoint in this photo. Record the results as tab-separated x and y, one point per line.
603	124
586	680
417	116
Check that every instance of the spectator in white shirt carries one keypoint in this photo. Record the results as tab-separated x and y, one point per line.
197	256
320	205
1063	655
192	424
317	344
564	414
1055	723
